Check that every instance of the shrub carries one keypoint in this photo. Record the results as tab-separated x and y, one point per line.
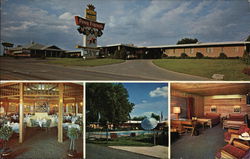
222	56
246	71
199	55
246	58
120	54
184	55
164	56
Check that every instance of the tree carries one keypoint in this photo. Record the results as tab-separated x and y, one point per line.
246	58
187	41
108	102
248	38
139	118
120	54
157	117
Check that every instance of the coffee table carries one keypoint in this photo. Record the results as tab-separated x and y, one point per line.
245	139
205	121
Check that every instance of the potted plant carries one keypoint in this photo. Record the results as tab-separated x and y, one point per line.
5	133
73	134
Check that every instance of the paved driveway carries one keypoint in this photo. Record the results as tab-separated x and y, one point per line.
94	151
138	70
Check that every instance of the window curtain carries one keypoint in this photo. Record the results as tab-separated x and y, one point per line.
190	107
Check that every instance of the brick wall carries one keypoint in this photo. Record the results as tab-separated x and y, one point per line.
230	51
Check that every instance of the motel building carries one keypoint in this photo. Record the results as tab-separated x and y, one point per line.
211	50
35	50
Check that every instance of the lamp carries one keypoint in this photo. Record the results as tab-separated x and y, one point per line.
177	111
1	110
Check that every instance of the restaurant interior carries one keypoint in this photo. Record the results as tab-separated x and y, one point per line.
41	119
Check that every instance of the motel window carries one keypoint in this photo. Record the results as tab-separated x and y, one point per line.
209	50
191	50
174	51
236	49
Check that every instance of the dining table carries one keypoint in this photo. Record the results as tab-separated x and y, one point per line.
71	125
14	126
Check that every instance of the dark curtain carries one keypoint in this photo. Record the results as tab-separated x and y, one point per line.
190	107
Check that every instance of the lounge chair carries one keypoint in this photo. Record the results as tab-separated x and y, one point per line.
236	150
231	132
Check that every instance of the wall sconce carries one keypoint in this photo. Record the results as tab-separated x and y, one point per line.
177	111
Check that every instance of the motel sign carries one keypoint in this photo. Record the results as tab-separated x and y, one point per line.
91	30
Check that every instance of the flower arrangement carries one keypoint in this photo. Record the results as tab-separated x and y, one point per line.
244	131
5	133
73	134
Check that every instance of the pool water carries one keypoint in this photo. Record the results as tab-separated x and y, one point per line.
125	133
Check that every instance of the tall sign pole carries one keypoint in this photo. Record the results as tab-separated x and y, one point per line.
91	30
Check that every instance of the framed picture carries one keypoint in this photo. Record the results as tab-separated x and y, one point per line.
213	109
237	109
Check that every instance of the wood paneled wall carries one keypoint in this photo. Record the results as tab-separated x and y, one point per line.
177	97
225	106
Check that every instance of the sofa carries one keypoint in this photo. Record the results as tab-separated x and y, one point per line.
215	118
235	121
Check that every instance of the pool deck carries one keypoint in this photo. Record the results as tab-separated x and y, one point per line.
154	151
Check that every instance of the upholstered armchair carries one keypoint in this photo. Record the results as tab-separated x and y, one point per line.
236	150
231	133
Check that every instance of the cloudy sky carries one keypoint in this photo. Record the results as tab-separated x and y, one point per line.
141	22
148	98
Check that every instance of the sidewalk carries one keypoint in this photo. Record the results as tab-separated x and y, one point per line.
154	151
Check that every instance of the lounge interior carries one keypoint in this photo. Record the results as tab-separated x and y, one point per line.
40	116
210	120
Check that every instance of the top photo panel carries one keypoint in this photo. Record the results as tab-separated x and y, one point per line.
135	40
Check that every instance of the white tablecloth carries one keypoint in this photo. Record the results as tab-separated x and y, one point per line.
53	118
14	126
71	125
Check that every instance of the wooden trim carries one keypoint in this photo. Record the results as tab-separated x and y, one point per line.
21	125
60	113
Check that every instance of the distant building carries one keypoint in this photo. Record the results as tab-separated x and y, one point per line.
36	50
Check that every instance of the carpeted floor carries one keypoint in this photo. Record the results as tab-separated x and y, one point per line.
41	144
203	146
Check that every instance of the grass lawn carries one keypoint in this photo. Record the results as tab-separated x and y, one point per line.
231	68
140	140
81	62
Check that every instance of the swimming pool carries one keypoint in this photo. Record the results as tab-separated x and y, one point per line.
124	133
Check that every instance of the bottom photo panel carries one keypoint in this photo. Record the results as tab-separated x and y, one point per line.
127	120
41	120
210	120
